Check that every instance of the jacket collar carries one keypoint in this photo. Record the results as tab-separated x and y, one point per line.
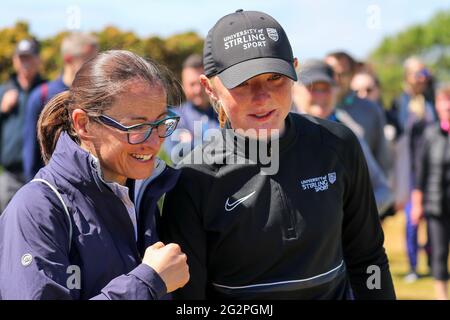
14	82
240	144
73	163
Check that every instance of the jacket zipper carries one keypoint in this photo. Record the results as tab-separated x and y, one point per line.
288	217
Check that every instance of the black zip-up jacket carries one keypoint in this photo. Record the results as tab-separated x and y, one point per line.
433	171
310	231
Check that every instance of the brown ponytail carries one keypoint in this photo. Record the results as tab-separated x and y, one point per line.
53	120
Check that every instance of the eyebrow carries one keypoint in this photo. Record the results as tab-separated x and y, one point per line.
145	119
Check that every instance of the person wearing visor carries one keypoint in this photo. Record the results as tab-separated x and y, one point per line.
308	230
85	226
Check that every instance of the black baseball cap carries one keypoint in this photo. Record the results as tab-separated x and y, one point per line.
245	44
27	47
312	71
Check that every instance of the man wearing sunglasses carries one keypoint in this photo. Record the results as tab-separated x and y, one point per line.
364	112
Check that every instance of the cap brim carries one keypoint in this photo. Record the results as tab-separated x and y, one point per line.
26	53
310	79
238	73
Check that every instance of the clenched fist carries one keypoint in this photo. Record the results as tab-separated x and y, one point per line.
170	263
9	100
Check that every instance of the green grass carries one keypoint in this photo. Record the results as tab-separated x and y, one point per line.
423	288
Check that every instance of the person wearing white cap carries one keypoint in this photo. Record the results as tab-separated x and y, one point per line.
304	227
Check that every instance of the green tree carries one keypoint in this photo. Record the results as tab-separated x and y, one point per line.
179	47
170	51
9	37
430	41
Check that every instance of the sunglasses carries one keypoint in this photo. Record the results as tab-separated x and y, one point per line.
139	133
320	90
368	90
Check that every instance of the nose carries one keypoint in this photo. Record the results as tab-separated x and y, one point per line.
197	88
153	141
260	93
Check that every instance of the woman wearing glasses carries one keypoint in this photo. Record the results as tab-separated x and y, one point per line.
85	227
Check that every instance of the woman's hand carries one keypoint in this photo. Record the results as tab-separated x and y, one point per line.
169	262
417	206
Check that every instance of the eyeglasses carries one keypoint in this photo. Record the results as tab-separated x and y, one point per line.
139	133
318	91
368	90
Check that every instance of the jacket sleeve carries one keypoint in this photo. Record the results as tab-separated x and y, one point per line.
362	235
142	283
2	93
422	162
34	255
381	189
382	153
30	143
182	224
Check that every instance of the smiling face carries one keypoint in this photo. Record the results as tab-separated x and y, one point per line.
262	102
138	103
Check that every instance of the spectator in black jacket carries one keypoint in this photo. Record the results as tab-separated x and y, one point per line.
431	197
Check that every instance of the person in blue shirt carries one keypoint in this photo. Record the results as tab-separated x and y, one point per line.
196	113
76	49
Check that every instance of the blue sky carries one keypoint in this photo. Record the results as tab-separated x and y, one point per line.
314	27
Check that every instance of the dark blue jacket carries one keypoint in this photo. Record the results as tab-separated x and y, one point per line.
189	115
38	262
11	126
31	154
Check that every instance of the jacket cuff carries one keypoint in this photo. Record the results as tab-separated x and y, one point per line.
151	279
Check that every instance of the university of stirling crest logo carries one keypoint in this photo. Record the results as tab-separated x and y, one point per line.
332	177
272	33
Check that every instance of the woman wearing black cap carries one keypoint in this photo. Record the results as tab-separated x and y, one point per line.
306	227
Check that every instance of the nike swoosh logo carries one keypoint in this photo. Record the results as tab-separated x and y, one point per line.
230	206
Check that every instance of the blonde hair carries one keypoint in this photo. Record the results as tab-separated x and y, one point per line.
217	106
443	89
75	42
